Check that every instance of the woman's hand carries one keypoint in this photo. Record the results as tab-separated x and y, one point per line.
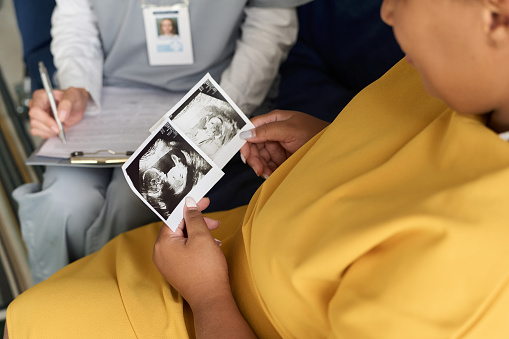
194	265
277	135
71	105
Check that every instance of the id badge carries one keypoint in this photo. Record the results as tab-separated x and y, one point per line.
168	33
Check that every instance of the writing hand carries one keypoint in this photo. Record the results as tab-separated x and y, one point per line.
71	105
278	134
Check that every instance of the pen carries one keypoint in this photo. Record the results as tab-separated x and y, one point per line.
49	91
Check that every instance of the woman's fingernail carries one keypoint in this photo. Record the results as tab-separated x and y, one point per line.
219	242
63	115
247	134
190	203
256	172
265	176
242	158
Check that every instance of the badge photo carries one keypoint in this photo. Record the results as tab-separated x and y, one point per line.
168	33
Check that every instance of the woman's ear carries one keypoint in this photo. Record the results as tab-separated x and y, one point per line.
497	21
387	11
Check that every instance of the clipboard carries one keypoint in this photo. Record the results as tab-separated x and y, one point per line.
80	159
101	157
122	124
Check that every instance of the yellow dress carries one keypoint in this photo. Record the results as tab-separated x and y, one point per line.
391	223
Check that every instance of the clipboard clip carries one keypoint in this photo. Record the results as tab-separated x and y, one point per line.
100	157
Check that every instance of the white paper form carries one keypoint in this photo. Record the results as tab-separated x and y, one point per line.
122	125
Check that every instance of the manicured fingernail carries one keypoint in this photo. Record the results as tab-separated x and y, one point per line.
219	242
242	158
190	203
63	115
247	134
265	176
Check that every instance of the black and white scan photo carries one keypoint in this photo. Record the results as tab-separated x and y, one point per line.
211	122
186	151
166	170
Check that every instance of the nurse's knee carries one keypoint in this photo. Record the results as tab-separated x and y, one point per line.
73	180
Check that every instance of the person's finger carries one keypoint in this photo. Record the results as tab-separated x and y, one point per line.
64	110
271	166
41	111
42	123
264	153
59	94
67	100
203	203
195	223
65	106
278	153
42	130
275	132
212	224
268	126
165	231
254	160
71	104
272	116
245	152
39	99
179	231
